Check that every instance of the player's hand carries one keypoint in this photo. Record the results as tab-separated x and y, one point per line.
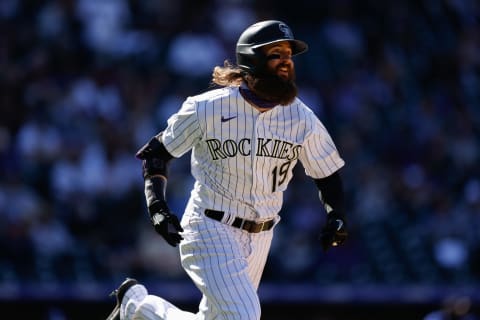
334	233
165	223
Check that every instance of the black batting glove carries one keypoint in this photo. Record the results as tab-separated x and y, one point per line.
334	233
165	223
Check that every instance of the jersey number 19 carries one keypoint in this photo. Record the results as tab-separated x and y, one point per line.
279	175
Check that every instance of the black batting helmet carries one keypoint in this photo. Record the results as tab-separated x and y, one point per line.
249	56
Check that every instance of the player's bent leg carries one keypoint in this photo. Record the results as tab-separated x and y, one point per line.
215	255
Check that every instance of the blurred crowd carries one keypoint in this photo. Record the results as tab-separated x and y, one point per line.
85	83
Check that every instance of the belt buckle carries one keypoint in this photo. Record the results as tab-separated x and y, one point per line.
256	227
252	226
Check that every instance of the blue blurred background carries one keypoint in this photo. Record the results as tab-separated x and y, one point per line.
83	84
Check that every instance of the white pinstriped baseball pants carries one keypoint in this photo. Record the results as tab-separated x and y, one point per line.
225	263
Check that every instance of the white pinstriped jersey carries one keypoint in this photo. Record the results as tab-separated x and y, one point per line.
242	159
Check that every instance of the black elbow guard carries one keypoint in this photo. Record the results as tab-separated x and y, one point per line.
155	158
154	149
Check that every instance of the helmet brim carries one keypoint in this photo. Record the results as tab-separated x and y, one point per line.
298	46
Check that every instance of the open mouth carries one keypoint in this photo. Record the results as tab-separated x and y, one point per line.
283	72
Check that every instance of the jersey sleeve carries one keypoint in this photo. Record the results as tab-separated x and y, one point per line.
319	155
183	130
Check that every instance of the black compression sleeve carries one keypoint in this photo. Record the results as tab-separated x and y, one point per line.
155	190
331	193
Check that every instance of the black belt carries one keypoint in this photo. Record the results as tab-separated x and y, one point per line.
247	225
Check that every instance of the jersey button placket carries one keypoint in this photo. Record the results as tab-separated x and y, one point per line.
258	123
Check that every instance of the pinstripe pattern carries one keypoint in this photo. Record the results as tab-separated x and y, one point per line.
226	265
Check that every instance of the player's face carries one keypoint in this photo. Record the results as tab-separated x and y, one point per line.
275	80
279	60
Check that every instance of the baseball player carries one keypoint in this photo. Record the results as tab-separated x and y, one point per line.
245	139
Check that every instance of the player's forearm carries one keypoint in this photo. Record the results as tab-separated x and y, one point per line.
332	193
155	189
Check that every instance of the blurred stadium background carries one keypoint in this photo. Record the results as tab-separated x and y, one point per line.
83	84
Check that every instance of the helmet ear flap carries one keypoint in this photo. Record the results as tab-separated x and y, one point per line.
250	63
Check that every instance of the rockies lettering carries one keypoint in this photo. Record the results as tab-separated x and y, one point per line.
243	159
272	148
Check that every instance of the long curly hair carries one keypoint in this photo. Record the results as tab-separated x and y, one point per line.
228	75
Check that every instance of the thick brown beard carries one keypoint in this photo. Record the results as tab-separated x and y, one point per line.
274	88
